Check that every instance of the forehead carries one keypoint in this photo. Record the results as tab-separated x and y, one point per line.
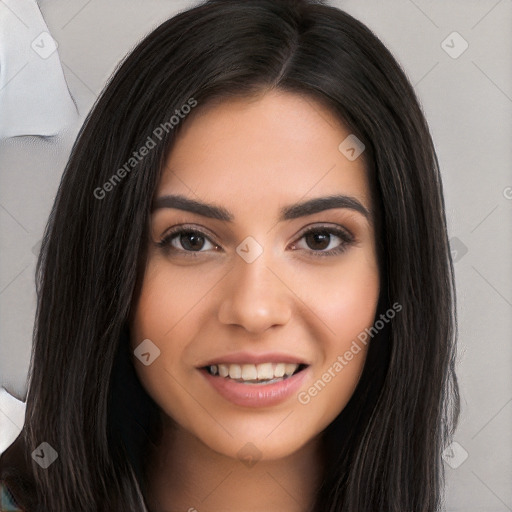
278	146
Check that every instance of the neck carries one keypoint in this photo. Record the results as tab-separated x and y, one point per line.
186	475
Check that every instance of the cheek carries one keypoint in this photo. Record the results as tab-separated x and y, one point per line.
353	304
344	298
346	301
166	313
170	311
169	298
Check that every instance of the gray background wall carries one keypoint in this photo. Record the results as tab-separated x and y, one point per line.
468	103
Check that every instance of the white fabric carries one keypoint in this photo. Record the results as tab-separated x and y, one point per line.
12	418
34	97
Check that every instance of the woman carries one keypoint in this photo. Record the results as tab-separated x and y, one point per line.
194	347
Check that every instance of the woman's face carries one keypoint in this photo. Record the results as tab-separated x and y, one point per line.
251	286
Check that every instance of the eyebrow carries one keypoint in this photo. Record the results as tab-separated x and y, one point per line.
293	211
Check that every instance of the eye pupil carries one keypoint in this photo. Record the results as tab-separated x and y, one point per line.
319	236
194	245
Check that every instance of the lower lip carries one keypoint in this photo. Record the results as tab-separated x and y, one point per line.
256	395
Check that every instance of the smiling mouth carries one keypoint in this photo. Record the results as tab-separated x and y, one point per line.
264	373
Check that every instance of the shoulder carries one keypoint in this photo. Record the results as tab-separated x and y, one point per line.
17	489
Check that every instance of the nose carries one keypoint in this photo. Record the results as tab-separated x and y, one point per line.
255	297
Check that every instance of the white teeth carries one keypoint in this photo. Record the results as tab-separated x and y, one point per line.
235	371
279	370
249	372
290	368
265	371
252	372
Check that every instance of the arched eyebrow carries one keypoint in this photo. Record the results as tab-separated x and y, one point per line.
289	212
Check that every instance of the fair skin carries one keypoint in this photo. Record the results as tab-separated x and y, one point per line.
253	157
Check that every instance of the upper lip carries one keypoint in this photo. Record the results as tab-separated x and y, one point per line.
252	358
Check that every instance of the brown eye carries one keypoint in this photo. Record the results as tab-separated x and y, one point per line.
191	241
186	240
320	238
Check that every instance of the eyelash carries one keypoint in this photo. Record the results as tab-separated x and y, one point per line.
346	238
